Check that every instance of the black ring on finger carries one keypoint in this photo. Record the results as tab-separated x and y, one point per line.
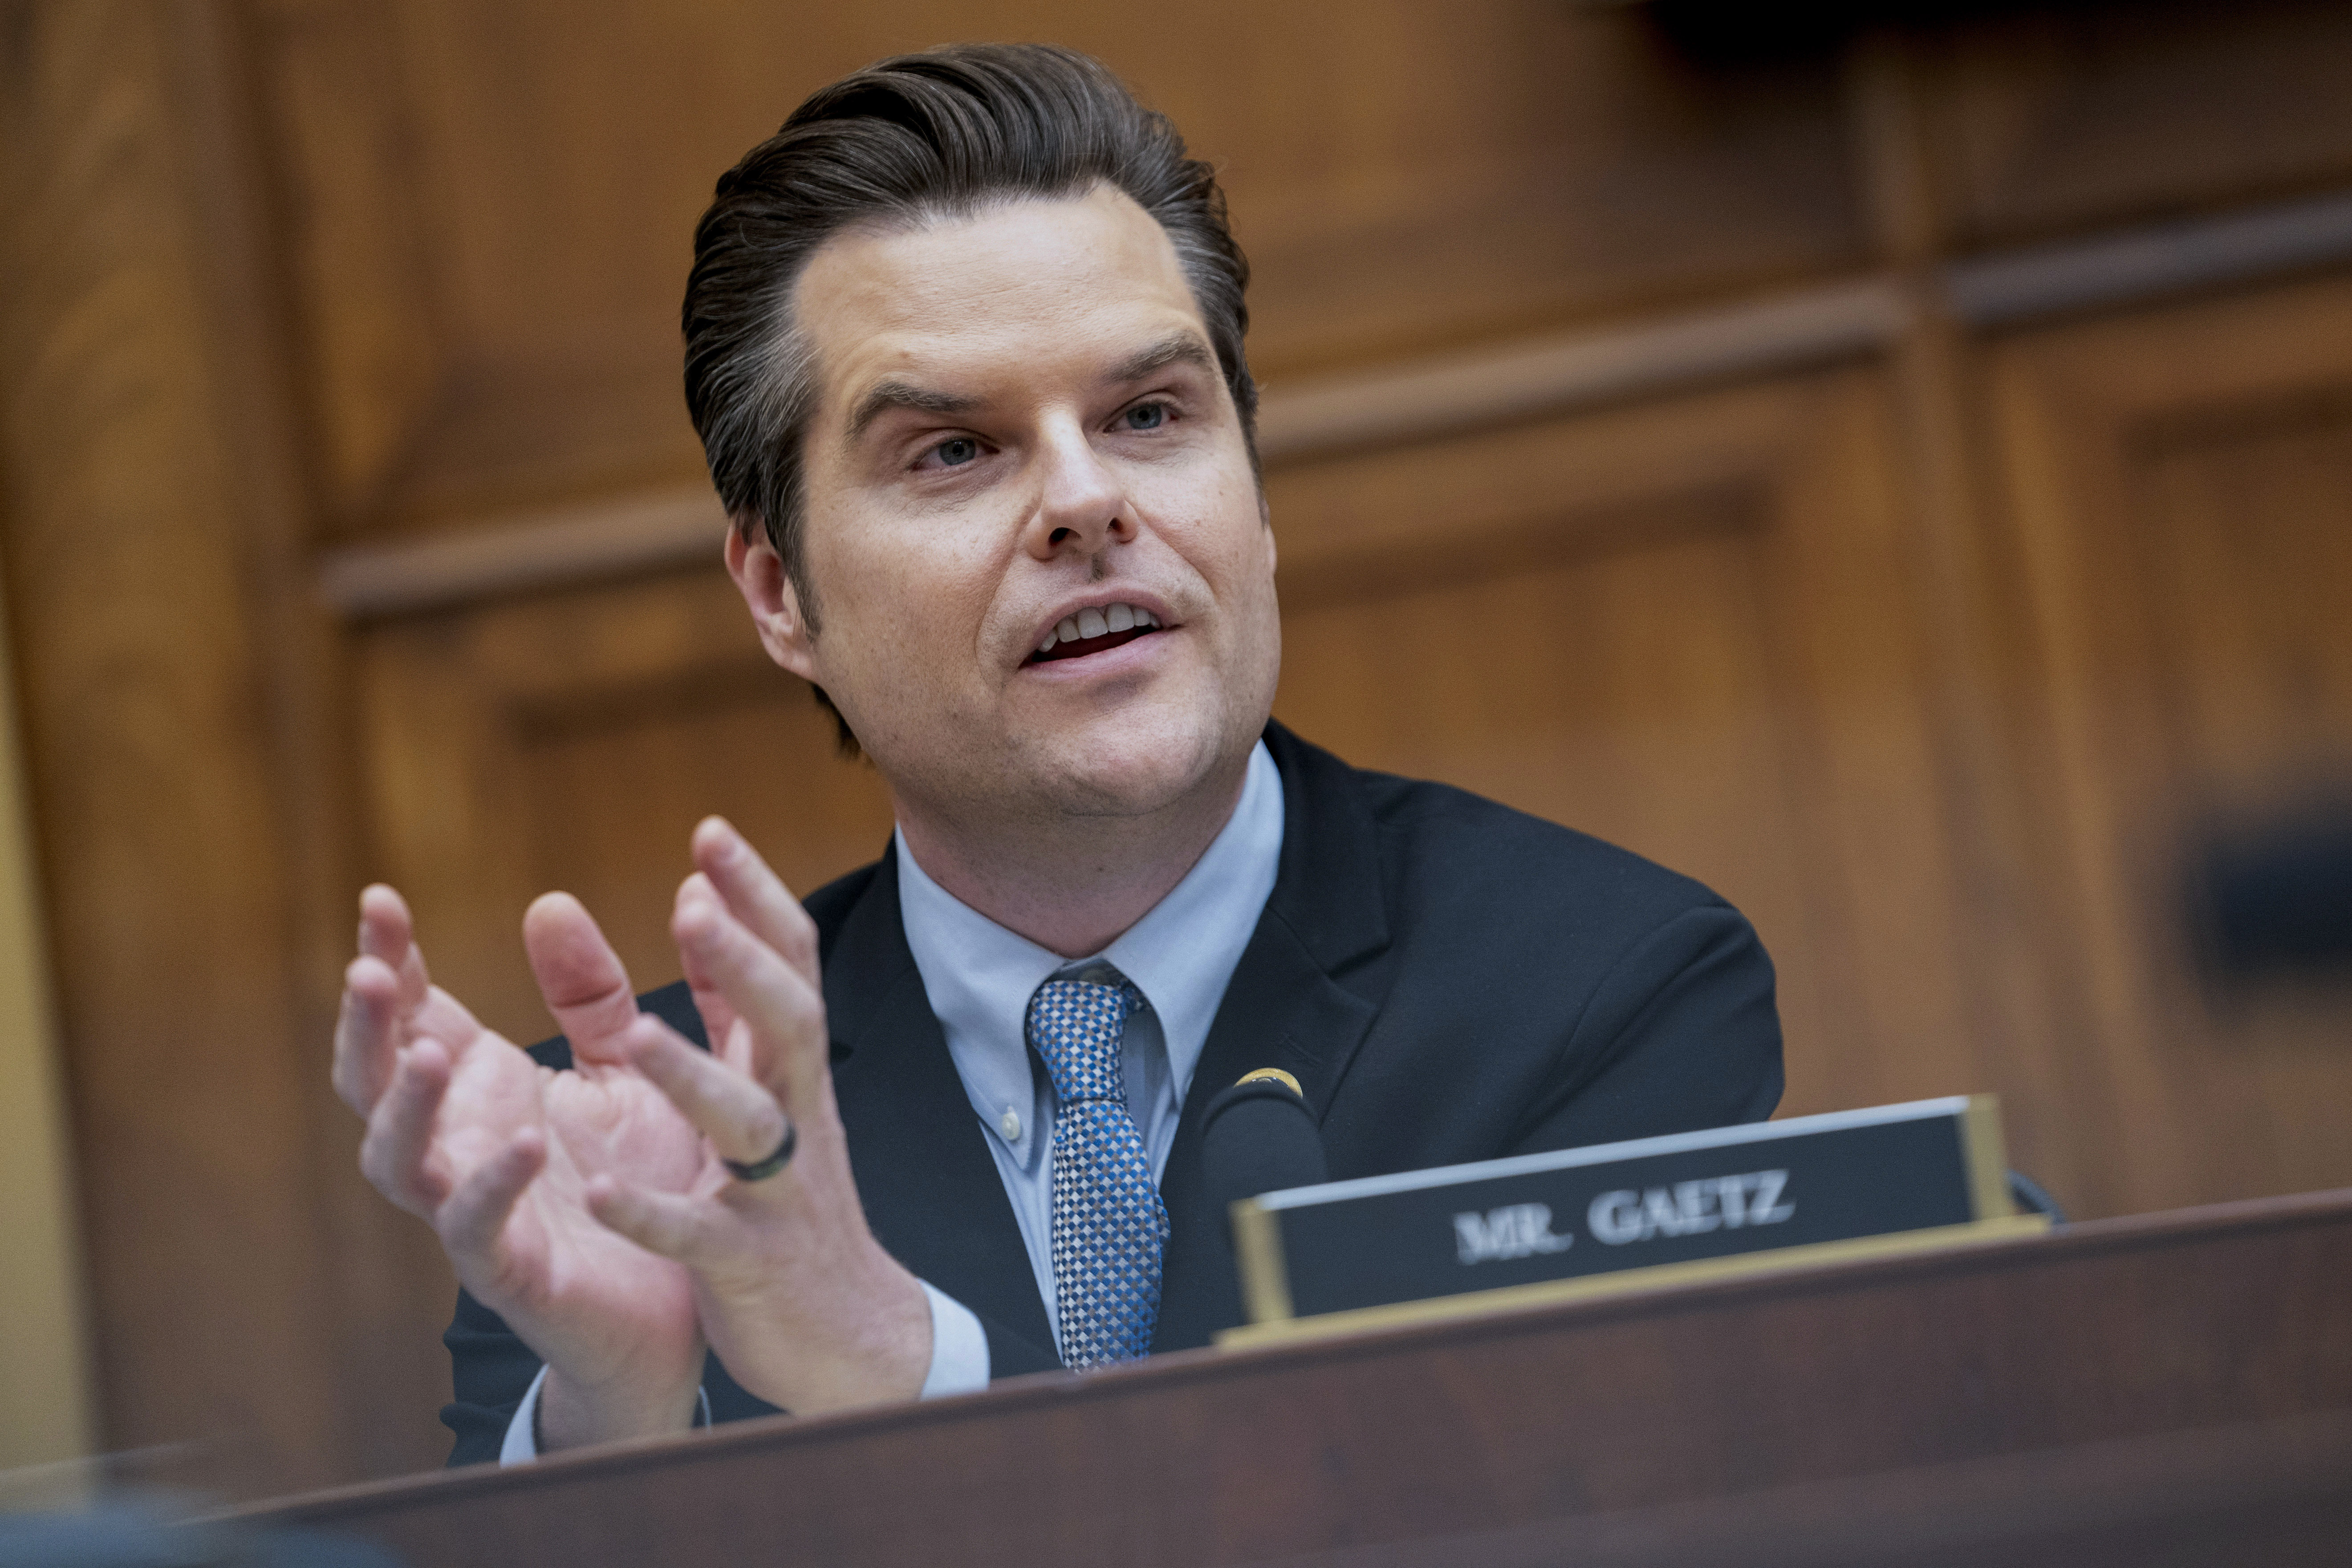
760	1170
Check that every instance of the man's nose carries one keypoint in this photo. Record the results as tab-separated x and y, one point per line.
1081	504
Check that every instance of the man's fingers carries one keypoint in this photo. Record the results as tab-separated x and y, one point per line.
738	1116
445	1018
367	1033
783	1008
400	1131
692	1231
470	1223
718	1014
756	895
383	988
580	975
387	932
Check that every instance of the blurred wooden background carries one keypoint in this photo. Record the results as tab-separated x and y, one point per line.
1899	473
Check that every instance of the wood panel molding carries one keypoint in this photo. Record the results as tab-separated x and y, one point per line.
2150	263
1429	399
1947	498
1558	374
556	548
1422	401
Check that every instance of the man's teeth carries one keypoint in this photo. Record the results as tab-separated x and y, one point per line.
1098	623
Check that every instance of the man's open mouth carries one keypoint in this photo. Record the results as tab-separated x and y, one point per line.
1095	631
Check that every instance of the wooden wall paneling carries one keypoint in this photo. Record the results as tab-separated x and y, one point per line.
1406	180
492	205
565	547
2178	480
2246	570
155	582
286	497
2057	118
1688	628
1972	660
356	250
573	741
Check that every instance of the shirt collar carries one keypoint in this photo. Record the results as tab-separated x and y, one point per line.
1183	953
979	976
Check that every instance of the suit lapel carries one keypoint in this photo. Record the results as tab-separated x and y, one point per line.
930	1188
1303	994
1302	998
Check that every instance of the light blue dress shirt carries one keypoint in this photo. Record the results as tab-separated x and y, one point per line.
979	976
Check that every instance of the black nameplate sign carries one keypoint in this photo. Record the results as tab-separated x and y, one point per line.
1671	1203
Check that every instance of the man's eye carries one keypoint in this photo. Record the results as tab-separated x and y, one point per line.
955	453
1146	417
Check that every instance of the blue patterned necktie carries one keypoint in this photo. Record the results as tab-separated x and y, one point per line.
1109	1226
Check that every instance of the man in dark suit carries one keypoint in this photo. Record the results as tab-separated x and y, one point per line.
964	345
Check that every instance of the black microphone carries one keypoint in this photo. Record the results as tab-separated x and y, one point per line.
1259	1137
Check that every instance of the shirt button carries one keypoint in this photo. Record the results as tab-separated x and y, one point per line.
1009	1125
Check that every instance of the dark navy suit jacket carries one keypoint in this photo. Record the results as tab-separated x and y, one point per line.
1447	979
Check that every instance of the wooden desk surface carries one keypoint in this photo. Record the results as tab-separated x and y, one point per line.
2199	1346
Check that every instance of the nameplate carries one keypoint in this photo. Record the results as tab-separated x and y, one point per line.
1583	1221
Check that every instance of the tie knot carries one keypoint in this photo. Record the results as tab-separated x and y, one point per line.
1076	1026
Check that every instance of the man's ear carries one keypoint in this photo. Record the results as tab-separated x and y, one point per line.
775	604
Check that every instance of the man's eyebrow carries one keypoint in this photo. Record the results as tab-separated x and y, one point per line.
1177	348
884	396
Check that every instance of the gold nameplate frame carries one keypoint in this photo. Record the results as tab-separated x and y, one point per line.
1643	1215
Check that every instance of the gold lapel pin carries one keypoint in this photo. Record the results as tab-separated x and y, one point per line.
1275	1075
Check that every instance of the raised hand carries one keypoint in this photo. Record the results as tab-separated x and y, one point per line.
799	1299
500	1155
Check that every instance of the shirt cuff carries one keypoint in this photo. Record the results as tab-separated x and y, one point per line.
522	1445
958	1348
959	1365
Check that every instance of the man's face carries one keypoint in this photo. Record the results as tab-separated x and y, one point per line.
1021	428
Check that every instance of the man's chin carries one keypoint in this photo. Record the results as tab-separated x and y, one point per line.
1136	769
